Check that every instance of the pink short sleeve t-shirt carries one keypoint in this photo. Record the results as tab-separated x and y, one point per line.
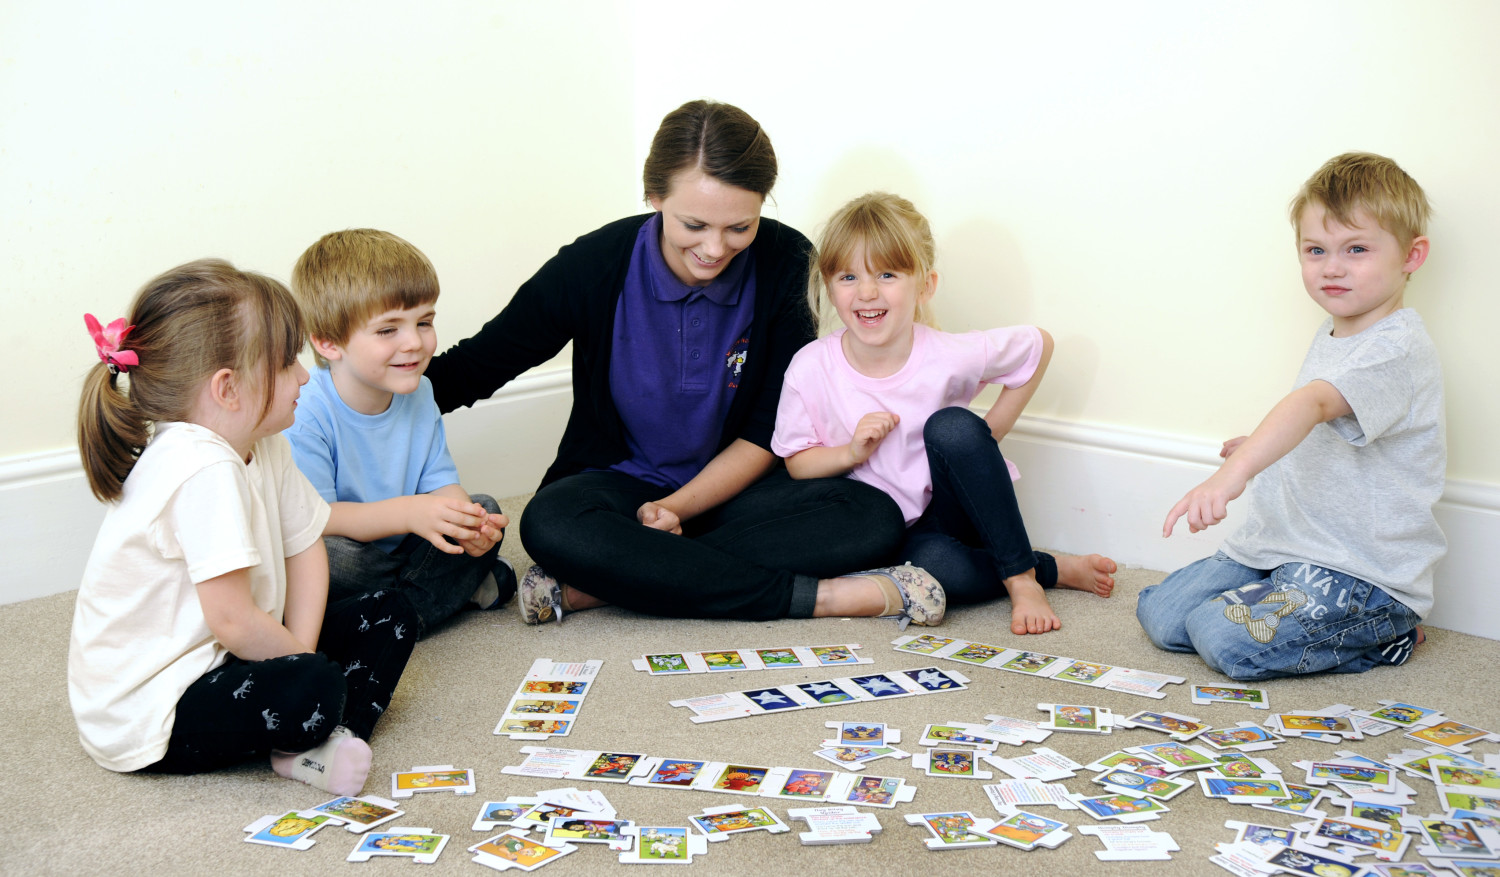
823	399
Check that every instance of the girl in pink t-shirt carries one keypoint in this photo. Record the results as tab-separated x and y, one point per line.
885	401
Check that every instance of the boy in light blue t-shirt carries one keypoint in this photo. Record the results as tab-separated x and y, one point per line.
369	437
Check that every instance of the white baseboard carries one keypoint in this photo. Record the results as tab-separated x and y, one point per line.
1084	489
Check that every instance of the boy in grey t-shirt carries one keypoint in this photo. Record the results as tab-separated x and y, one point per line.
1333	570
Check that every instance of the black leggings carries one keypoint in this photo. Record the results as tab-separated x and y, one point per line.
244	709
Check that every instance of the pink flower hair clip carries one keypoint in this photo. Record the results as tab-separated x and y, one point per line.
107	340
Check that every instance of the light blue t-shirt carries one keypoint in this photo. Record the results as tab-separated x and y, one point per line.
353	457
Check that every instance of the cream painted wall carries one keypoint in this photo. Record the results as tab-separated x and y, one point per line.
1114	172
1118	173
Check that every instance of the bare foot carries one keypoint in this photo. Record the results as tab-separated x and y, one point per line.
575	600
1421	636
1029	610
1087	572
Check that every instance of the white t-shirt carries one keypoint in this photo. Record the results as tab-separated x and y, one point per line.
823	399
191	510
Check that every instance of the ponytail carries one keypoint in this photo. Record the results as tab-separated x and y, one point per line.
111	433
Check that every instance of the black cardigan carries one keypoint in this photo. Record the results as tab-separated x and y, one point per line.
573	298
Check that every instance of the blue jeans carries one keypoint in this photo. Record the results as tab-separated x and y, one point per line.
1252	624
971	537
436	584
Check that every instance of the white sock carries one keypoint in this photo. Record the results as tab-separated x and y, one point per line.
487	594
338	765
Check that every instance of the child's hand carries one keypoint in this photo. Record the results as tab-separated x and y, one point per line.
1231	446
434	516
659	517
491	531
869	433
1205	505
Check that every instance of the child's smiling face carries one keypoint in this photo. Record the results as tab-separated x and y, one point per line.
879	307
1357	273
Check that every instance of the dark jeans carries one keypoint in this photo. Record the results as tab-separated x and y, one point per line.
758	556
244	709
971	536
437	584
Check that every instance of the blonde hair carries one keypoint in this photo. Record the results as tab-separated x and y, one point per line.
349	276
1357	181
188	324
894	236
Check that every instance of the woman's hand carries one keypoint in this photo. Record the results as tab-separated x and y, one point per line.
659	517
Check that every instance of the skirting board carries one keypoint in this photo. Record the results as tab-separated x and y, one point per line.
1084	489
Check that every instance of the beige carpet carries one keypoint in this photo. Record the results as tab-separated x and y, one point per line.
65	815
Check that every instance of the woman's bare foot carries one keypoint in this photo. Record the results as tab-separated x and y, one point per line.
1087	572
575	600
1029	610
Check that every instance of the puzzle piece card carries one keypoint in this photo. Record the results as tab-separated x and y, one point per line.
717	707
514	849
1266	837
1296	860
771	700
736	779
926	644
869	791
827	693
1131	843
1365	776
954	830
561	802
670	773
1178	727
548	699
1080	719
1365	725
359	814
944	762
1358	836
588	828
1084	673
775	658
1454	798
1301	802
493	814
718	823
578	764
883	685
532	729
1318	726
290	831
1013	661
1455	837
1462	776
1242	737
523	707
1136	761
1243	859
1014	732
432	778
664	845
835	825
1240	791
1128	782
1141	682
861	734
1176	757
958	734
1418	762
1244	766
1027	831
1029	793
797	784
421	845
1452	736
1042	764
855	757
1255	698
933	679
1121	807
1403	869
1388	815
1403	715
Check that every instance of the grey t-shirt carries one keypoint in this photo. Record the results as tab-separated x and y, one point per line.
1356	495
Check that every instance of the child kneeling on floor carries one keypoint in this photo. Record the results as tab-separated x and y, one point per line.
1333	570
204	603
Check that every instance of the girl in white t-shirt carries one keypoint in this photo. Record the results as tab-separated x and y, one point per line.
200	615
885	398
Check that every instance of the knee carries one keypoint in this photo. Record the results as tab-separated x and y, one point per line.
1163	620
956	428
310	699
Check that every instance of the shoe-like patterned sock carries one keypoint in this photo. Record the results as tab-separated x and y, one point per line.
338	765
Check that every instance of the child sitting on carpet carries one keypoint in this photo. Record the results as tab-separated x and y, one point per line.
884	399
197	626
1333	570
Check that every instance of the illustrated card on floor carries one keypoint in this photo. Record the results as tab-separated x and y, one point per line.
881	686
514	849
578	764
432	778
1403	715
738	779
359	814
1122	808
926	644
1136	761
958	734
797	784
494	814
1129	782
1304	863
547	701
1027	663
290	831
1178	727
533	729
861	734
1041	764
835	825
774	658
1131	843
1268	837
856	757
869	791
1301	803
1142	683
1386	814
933	679
941	762
1085	673
770	700
588	828
1243	737
1418	762
1176	756
1455	837
1407	869
670	773
561	802
1367	774
718	823
717	707
826	693
1452	736
1029	793
1014	732
1027	831
1358	836
421	845
664	845
955	830
1081	719
1244	766
1239	791
1255	698
1318	726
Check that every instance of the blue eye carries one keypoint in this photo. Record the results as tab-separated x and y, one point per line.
1356	249
1315	251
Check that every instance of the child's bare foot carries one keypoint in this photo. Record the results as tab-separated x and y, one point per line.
1029	610
1087	572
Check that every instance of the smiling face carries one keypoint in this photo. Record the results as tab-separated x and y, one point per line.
384	356
879	307
704	225
1357	273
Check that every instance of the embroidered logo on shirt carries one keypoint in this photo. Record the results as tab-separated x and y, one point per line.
734	361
